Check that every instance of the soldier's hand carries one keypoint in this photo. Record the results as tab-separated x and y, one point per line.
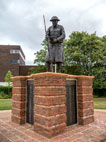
55	40
47	38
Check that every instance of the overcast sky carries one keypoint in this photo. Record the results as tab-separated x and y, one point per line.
21	21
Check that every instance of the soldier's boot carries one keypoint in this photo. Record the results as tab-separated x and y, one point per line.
51	67
59	66
48	67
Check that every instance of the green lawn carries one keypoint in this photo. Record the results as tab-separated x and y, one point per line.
99	103
5	104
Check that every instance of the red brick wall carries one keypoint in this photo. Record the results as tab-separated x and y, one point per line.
25	69
85	101
19	100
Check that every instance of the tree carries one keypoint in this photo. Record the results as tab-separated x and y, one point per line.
38	69
85	54
40	55
8	79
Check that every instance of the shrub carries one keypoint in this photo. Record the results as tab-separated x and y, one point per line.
4	92
99	92
5	96
5	89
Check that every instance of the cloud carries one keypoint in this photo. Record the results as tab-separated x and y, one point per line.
21	22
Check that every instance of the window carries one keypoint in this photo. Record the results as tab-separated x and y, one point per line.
13	51
15	62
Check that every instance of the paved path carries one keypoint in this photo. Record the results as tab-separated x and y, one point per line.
94	132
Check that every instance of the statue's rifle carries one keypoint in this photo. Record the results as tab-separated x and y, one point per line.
46	31
47	40
44	23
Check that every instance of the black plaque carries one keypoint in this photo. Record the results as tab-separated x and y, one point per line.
30	102
71	102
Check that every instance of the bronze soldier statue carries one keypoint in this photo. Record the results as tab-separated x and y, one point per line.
55	36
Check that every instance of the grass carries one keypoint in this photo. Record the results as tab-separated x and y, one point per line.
5	96
5	104
99	103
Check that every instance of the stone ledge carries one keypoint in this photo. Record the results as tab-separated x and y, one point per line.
60	75
51	74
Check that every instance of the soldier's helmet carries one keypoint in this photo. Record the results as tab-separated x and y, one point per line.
54	18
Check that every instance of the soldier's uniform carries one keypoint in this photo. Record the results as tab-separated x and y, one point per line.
55	50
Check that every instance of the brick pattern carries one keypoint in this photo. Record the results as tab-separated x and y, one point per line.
19	101
85	101
49	105
49	81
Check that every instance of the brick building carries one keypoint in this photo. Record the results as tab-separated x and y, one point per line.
12	58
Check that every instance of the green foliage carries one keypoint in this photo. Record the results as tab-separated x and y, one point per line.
5	89
8	79
5	96
83	50
99	92
4	92
40	55
38	69
85	54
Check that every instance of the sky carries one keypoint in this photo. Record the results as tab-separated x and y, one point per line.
21	21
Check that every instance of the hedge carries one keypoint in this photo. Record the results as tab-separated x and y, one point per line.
5	89
100	92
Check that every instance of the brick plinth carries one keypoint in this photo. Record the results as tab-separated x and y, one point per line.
85	101
50	105
50	101
19	100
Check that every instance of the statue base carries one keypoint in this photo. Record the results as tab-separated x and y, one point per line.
52	101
